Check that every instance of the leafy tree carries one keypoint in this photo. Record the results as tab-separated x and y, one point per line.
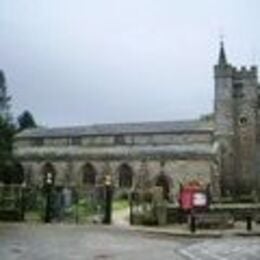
26	120
10	170
7	132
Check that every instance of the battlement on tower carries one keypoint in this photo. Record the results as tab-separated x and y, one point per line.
245	72
235	72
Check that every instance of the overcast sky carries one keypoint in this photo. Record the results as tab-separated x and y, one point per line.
77	62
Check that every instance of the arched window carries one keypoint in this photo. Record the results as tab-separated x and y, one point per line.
162	181
49	173
18	174
89	174
125	176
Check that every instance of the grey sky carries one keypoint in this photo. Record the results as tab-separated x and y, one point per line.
90	61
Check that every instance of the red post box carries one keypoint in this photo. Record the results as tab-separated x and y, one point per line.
193	195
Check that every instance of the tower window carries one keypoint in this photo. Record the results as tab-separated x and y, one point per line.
243	120
238	90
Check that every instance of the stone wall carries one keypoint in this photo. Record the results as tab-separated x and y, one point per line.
177	171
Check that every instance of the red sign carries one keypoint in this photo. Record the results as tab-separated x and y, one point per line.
192	195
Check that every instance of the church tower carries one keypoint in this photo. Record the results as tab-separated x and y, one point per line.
235	125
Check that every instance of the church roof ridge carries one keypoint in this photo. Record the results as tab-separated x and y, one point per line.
148	127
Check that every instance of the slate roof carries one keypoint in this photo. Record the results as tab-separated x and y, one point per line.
116	152
120	128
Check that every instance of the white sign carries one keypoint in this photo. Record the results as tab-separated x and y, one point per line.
199	199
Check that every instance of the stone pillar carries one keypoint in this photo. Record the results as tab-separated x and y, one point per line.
160	206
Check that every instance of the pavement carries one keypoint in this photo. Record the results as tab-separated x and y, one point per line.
120	241
121	221
183	231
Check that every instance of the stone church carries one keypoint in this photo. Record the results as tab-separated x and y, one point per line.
221	152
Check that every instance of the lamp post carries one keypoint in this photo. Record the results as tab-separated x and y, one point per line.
108	200
48	185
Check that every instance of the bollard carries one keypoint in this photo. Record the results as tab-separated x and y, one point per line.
193	224
249	223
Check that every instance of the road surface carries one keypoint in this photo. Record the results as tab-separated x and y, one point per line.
71	242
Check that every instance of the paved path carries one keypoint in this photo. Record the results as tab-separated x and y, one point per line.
121	217
70	242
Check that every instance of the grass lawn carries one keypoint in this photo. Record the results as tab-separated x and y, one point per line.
120	204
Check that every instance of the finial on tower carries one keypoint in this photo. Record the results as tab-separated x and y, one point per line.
222	55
